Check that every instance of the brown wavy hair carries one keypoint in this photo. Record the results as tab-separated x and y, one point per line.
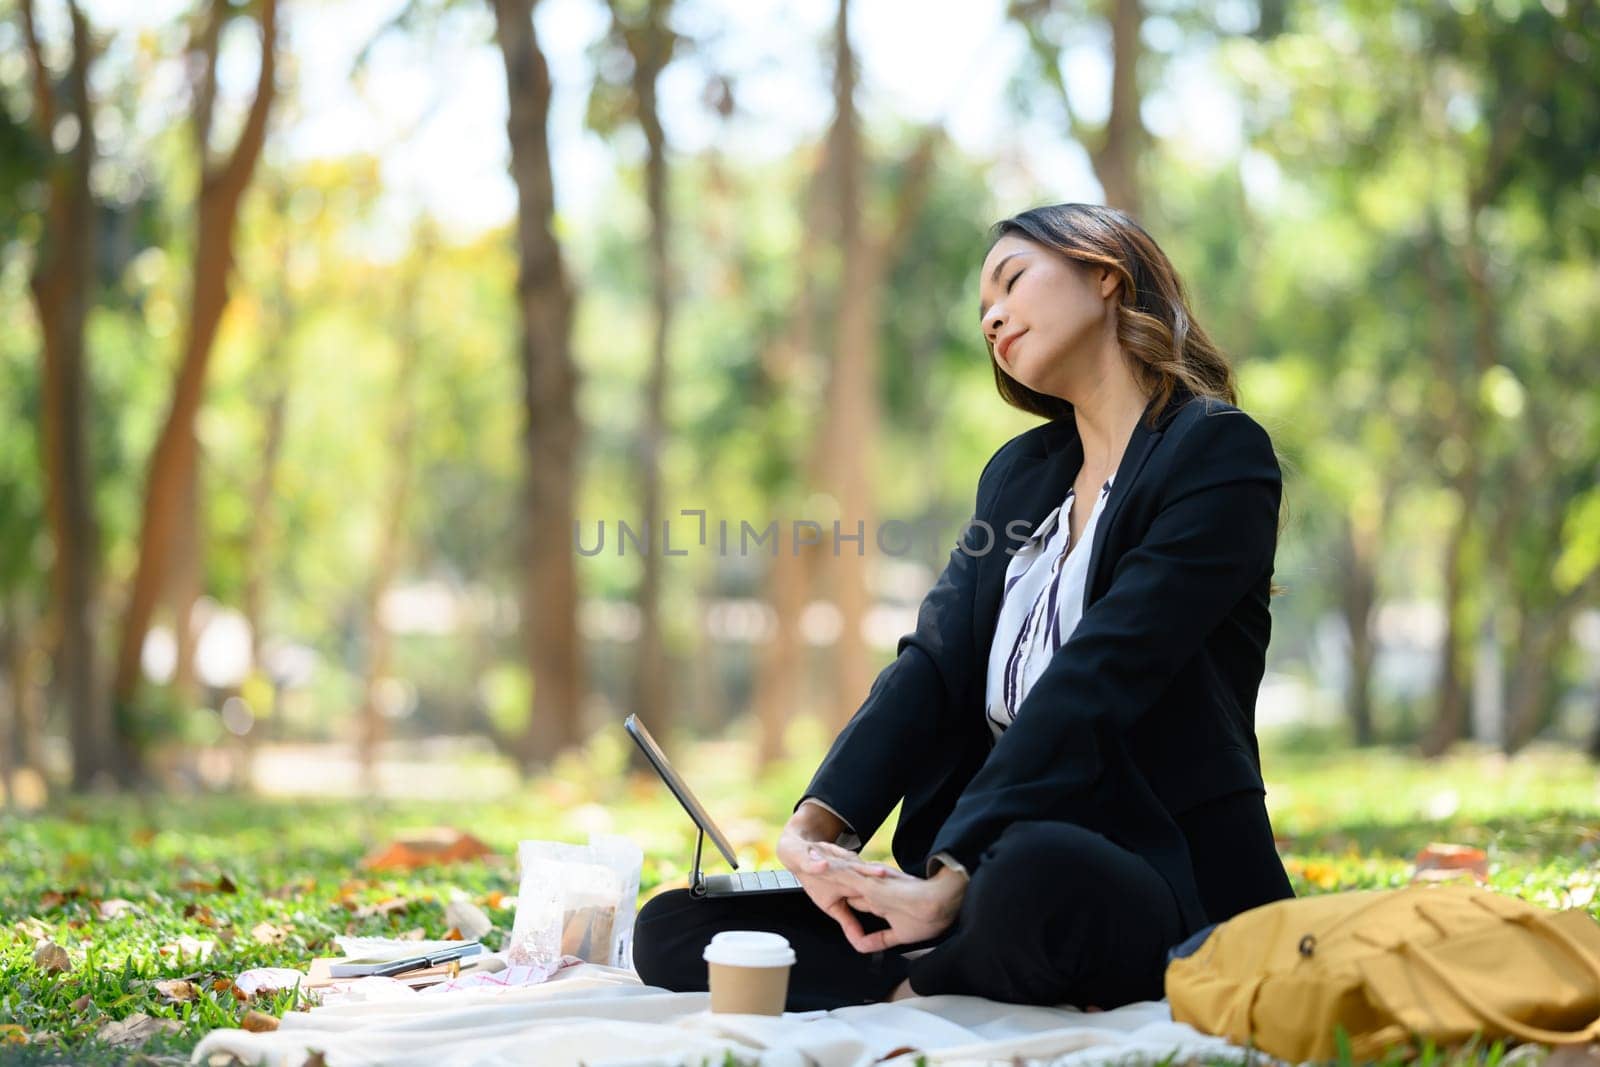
1155	327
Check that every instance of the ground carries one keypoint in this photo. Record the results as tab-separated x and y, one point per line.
269	883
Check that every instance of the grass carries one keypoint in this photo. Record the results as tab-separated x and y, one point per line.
272	883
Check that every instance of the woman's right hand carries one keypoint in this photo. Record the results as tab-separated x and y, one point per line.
805	847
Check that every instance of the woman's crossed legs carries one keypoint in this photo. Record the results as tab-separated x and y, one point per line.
1055	914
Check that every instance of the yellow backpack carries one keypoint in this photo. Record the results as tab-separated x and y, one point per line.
1441	962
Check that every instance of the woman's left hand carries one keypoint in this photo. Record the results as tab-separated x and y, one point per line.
916	909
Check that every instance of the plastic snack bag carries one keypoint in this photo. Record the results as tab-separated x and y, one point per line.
576	900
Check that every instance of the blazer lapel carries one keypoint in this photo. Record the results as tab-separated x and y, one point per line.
1140	445
1037	483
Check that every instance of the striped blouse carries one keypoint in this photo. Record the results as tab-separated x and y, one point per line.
1041	606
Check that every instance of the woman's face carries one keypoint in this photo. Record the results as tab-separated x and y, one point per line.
1045	316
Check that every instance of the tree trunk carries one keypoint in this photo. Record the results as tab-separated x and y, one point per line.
551	433
1116	160
1116	148
1358	598
64	271
372	722
222	186
186	583
275	403
653	695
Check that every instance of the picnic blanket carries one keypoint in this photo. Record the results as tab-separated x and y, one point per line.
605	1016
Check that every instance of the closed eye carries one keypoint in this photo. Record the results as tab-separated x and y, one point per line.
1014	278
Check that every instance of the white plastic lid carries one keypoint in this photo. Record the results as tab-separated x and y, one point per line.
749	948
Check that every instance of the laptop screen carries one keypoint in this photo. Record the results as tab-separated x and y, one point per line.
679	787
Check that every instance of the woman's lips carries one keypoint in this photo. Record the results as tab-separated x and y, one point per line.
1005	345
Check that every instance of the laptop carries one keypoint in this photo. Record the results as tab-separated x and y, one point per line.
738	884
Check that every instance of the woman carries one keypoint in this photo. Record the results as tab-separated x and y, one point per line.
1070	730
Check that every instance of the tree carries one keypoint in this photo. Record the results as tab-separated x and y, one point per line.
173	463
643	35
62	277
1114	147
551	433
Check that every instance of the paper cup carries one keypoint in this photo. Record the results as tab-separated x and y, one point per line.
749	972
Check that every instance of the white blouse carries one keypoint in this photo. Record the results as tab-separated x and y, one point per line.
1039	609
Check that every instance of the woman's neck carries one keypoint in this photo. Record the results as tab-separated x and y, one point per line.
1106	412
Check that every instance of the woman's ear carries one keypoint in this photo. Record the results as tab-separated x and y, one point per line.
1109	280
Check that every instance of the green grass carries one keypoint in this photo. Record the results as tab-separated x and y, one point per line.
1346	821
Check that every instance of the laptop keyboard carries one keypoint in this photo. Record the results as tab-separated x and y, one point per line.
744	881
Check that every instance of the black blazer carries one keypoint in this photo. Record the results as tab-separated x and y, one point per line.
1146	712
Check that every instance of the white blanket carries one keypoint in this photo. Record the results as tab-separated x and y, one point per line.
603	1016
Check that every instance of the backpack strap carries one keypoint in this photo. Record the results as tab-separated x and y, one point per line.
1515	1027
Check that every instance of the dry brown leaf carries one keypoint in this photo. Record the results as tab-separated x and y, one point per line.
52	957
13	1034
219	984
382	907
1440	856
34	929
226	934
226	884
425	847
258	1022
175	990
116	907
268	934
54	898
136	1029
200	914
188	947
82	1003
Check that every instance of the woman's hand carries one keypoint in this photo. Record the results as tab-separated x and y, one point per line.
808	859
916	909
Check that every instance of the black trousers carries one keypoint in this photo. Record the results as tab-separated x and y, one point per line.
1055	914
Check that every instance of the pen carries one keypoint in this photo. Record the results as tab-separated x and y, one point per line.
432	959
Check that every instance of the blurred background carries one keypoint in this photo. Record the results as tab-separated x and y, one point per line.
352	355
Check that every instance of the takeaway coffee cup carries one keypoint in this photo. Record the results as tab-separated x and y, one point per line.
749	972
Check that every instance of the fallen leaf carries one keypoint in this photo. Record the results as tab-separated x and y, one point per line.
268	934
82	1003
226	885
175	990
136	1029
469	920
52	958
315	1058
493	899
414	934
34	929
13	1034
426	847
200	914
1439	856
258	1022
187	946
219	984
382	907
116	907
226	934
453	934
54	898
